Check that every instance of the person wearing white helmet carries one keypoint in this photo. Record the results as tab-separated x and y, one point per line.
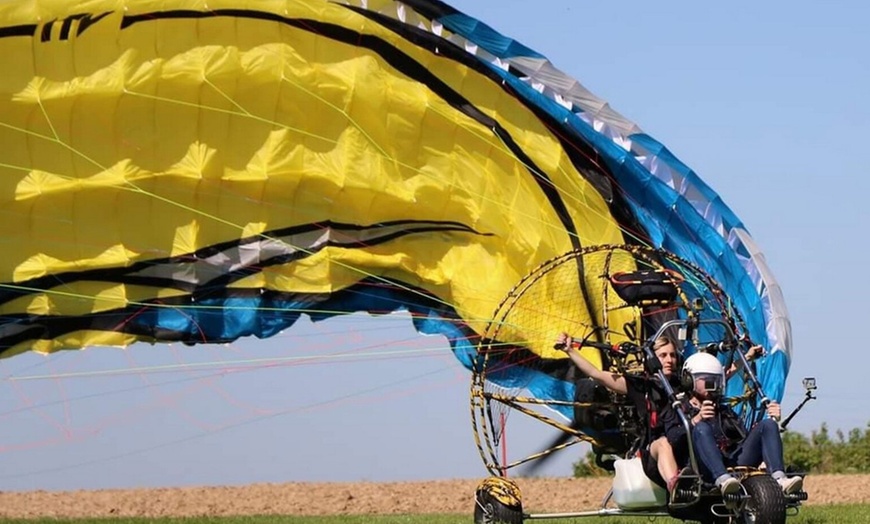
718	435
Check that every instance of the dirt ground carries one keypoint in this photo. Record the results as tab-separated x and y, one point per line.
456	496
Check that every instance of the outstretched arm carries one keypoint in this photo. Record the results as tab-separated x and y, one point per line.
613	382
753	353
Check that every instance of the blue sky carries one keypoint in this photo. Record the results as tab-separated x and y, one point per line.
767	102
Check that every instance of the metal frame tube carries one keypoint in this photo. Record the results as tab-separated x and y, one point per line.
675	403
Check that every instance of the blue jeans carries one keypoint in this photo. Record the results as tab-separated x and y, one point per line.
762	443
710	459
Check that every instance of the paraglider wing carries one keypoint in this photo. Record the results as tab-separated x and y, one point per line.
672	207
198	172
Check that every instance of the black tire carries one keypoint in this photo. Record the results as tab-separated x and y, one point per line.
490	510
766	504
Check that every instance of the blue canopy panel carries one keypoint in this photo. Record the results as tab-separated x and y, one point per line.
681	213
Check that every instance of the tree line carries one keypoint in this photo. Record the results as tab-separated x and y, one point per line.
820	452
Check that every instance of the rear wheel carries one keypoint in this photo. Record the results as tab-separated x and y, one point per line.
766	504
497	501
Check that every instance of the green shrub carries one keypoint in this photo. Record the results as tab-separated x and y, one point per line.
817	453
586	467
822	454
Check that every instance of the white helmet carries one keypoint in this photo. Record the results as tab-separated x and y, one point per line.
703	365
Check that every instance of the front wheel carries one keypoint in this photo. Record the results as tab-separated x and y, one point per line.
766	504
497	501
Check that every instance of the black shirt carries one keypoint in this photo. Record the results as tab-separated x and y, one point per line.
650	399
728	430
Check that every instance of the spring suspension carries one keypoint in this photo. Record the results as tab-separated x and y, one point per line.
796	497
683	494
732	497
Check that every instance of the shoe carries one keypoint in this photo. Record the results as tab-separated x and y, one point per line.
672	484
729	486
790	484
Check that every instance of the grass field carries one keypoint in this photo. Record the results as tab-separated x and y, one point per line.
833	514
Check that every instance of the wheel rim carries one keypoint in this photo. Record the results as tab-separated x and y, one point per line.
488	512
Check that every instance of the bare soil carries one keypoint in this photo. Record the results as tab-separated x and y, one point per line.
456	496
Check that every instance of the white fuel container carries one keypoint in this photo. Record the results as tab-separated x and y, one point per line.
632	489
